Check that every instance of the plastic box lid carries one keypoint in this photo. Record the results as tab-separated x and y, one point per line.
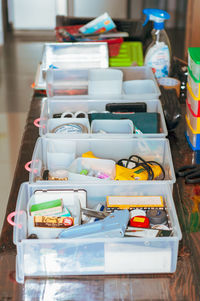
194	53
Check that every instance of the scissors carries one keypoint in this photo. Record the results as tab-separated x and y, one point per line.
191	173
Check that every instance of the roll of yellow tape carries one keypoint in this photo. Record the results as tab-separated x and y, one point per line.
170	83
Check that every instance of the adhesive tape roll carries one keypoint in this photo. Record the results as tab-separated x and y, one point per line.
170	83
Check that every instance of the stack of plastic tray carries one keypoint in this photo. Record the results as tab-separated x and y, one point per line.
51	257
193	98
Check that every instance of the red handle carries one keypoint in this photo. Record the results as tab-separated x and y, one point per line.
37	123
27	166
10	221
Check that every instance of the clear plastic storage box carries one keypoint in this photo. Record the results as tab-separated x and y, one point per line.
100	128
142	83
55	154
74	55
87	256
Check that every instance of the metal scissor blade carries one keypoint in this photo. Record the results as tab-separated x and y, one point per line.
94	213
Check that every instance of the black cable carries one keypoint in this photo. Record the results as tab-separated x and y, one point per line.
144	164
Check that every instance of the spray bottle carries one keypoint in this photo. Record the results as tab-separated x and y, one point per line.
158	54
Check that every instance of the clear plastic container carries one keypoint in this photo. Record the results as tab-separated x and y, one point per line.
65	82
110	149
105	81
193	137
124	126
193	101
73	104
193	119
194	84
139	86
194	61
74	56
97	256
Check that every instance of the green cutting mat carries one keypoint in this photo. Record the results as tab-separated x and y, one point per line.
130	54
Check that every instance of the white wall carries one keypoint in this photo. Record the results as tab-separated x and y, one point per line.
1	25
34	14
94	8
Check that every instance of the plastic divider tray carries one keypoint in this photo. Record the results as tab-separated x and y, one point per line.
87	256
75	82
60	153
55	105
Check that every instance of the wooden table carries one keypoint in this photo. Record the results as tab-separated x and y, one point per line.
184	284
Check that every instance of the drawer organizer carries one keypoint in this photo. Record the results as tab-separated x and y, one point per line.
93	255
137	82
192	136
193	119
193	101
53	154
76	105
194	61
194	84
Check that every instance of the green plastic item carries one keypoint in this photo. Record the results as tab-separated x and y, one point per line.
194	53
130	54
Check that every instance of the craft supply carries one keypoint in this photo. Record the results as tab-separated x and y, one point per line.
160	227
126	107
53	221
59	174
170	83
84	172
140	169
137	212
157	216
139	221
70	128
147	232
47	208
132	202
113	225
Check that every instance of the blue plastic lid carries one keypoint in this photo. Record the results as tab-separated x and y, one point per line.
157	16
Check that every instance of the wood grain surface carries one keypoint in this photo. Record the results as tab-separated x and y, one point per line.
182	285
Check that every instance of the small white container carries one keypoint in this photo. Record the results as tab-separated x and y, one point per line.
105	81
71	202
124	126
145	86
92	165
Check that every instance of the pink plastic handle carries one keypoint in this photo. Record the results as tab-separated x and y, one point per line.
10	221
27	166
37	123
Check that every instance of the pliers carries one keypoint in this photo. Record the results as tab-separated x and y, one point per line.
191	173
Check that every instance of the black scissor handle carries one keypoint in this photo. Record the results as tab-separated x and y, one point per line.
187	170
193	178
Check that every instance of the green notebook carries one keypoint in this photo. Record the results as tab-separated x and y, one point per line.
147	122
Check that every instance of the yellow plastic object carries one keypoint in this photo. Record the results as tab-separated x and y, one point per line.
137	173
127	174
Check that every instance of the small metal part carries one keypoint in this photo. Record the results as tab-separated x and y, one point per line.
32	236
94	213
